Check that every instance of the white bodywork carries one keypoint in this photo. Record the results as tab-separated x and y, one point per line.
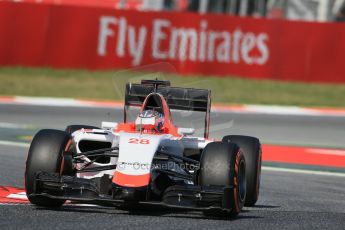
136	150
135	158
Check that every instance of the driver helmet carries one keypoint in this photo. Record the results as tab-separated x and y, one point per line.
150	120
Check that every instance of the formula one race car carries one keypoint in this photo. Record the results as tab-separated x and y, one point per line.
146	161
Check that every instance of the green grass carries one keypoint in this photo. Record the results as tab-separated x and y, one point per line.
109	85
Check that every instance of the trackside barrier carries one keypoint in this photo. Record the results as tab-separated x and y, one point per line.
64	36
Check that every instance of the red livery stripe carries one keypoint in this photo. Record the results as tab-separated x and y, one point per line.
131	180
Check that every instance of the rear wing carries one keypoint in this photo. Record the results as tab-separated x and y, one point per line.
187	99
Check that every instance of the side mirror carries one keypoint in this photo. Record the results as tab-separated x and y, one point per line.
186	131
109	125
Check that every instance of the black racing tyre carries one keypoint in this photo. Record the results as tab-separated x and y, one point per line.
222	164
251	149
72	128
46	155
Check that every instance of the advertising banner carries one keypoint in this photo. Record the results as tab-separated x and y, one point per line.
99	38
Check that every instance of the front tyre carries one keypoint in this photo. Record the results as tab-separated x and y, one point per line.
251	149
46	155
223	164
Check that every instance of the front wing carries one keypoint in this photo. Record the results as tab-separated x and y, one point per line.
92	191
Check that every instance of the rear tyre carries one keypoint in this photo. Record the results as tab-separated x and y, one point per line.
46	155
251	149
222	164
72	128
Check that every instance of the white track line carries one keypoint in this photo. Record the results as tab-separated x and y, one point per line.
332	152
15	144
302	171
7	125
18	196
48	101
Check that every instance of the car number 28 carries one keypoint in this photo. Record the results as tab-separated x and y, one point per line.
139	141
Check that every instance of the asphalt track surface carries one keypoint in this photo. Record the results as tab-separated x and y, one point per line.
287	200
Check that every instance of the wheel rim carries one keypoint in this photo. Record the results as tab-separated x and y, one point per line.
242	184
